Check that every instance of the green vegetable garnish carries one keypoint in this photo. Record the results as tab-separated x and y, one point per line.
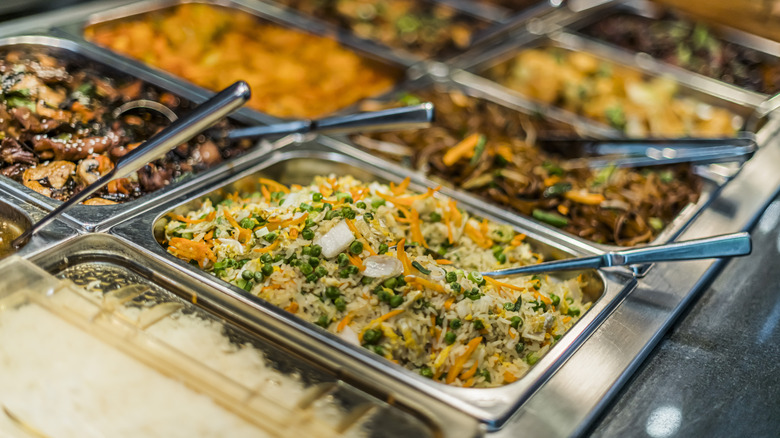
420	267
356	247
553	219
449	338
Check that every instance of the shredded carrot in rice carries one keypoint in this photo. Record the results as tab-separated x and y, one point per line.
455	214
417	236
401	254
181	218
461	360
517	240
275	186
344	322
425	283
268	248
497	283
190	250
400	188
357	262
443	262
470	372
359	235
378	321
266	193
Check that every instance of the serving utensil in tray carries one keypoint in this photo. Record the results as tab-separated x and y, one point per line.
410	117
728	245
642	152
205	115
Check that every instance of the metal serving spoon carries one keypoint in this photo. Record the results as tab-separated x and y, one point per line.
409	117
727	245
182	130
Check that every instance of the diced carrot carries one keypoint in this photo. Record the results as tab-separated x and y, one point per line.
293	233
517	240
443	262
448	303
566	319
509	377
460	361
292	308
562	209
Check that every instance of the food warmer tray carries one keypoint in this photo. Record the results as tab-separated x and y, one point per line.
560	396
713	177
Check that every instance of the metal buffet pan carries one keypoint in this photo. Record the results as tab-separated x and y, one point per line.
706	90
443	18
75	23
289	394
298	163
712	181
17	215
95	217
762	50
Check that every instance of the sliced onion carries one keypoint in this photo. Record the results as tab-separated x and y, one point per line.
350	336
336	240
382	266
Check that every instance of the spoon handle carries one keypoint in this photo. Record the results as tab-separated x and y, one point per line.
727	245
409	117
180	131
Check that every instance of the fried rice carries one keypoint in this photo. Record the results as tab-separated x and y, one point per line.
393	271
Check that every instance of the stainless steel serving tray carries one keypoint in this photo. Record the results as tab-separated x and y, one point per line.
18	207
95	217
298	163
713	177
399	53
643	8
73	28
704	89
100	256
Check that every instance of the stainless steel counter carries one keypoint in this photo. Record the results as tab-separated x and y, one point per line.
716	372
